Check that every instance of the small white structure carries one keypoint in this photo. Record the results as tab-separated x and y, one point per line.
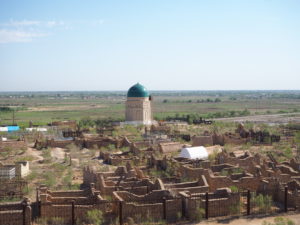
22	168
3	139
41	129
3	129
198	152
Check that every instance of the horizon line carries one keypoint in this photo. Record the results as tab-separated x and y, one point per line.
182	90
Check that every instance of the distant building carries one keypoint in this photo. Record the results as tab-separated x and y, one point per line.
138	106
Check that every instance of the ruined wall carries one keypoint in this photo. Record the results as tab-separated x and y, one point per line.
6	145
169	147
58	143
295	164
202	141
193	173
12	187
247	163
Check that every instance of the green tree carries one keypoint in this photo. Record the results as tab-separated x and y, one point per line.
86	122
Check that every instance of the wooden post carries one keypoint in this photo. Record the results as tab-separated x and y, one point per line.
206	205
121	212
24	213
285	199
37	202
73	212
183	207
164	208
248	202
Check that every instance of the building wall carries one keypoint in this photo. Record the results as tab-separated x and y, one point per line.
138	109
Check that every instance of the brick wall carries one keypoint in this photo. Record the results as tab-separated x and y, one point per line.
202	141
13	213
12	145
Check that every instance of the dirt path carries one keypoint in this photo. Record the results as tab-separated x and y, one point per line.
252	221
35	153
274	118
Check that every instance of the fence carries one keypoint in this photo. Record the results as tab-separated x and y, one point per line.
192	207
185	207
14	213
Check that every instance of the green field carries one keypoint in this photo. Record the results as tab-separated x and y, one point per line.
42	108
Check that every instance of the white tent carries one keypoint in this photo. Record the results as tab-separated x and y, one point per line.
198	152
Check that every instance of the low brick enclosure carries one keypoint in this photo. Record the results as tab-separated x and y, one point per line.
59	203
16	213
12	144
220	202
127	194
158	205
88	141
149	183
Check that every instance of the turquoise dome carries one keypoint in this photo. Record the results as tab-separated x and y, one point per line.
137	91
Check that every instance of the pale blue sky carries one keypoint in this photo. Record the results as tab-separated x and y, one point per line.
165	45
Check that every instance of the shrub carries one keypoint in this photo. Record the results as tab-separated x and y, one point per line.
280	221
56	221
41	221
10	199
234	189
288	152
263	202
50	221
50	179
198	215
235	208
224	173
130	221
47	155
95	217
213	156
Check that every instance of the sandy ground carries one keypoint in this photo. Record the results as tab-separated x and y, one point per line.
275	118
64	107
35	153
58	154
252	221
